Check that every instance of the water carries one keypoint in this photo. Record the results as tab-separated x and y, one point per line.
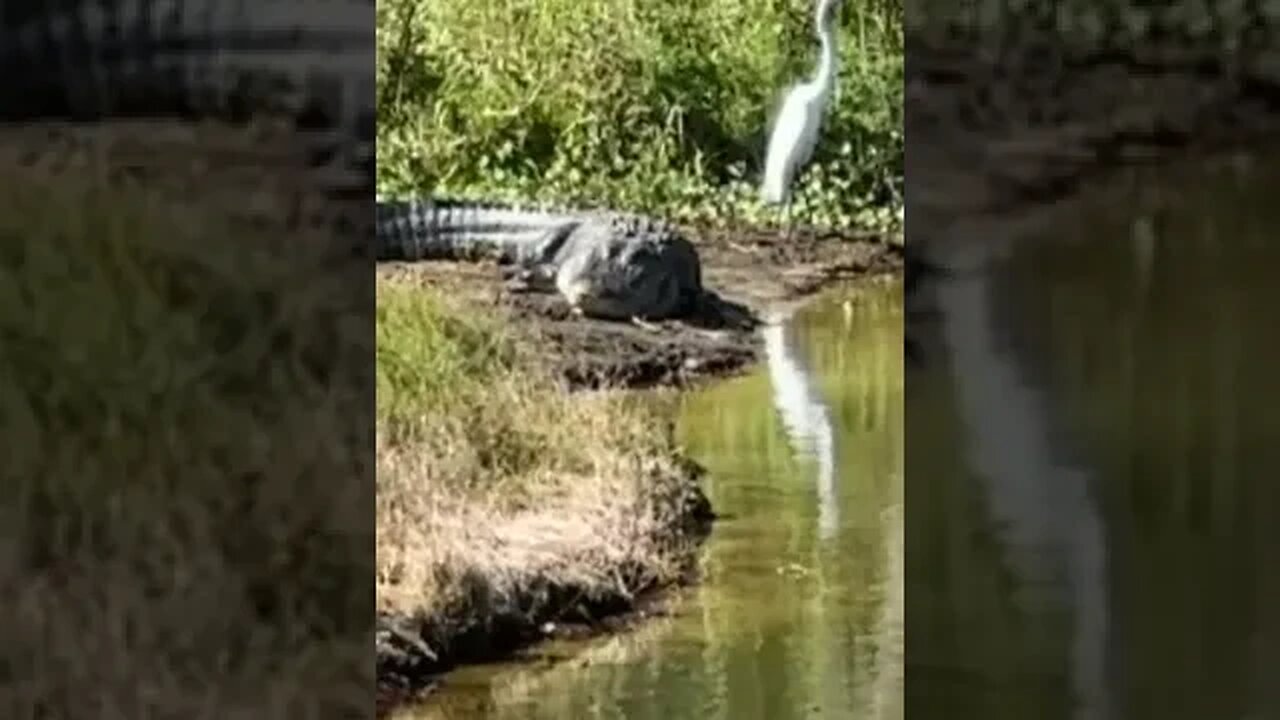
799	613
1093	503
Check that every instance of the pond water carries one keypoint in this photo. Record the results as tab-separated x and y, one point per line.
1093	443
799	612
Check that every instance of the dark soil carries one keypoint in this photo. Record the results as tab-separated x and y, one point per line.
414	655
748	272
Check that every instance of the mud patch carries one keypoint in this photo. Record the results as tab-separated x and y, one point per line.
749	274
414	655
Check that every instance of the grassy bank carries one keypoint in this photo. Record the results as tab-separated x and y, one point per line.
661	106
173	393
503	501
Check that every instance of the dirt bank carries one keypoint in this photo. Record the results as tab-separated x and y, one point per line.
750	272
414	652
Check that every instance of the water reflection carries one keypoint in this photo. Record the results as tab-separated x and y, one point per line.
804	414
799	612
1033	491
1092	442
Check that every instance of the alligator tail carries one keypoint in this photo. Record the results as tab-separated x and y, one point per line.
96	59
436	229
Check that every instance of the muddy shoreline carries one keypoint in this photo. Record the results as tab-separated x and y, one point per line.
750	274
414	655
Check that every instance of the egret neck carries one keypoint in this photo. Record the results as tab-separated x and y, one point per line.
824	80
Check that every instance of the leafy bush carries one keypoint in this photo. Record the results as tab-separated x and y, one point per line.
660	106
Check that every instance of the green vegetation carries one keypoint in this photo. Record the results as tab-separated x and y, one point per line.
156	372
660	106
428	354
491	474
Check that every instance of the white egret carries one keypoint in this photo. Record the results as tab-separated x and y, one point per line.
795	132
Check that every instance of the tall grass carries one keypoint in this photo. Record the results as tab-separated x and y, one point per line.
656	105
183	531
494	483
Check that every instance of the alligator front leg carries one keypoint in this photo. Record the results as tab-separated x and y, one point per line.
517	279
645	324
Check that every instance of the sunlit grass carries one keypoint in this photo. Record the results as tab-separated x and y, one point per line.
184	531
490	472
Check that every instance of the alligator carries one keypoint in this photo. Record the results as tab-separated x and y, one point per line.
91	60
607	265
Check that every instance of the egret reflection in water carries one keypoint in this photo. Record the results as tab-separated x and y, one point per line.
1093	437
1042	500
805	417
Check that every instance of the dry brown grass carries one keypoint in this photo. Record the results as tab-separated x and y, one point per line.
184	531
493	481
